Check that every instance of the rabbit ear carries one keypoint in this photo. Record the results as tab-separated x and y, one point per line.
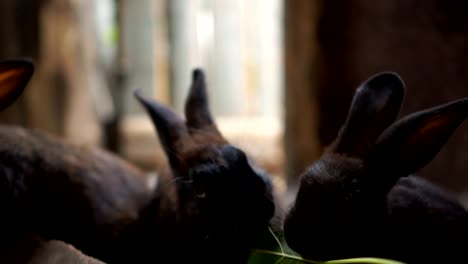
14	76
413	141
375	106
197	109
170	126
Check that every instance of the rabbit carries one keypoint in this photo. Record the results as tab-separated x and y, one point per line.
210	205
222	201
361	199
84	196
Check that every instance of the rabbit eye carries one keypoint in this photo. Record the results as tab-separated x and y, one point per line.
201	195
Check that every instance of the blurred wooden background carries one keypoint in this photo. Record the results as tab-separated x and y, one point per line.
91	55
281	73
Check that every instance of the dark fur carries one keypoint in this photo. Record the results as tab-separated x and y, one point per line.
81	195
84	196
223	203
358	200
209	206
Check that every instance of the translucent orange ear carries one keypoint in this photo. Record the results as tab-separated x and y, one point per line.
413	141
14	76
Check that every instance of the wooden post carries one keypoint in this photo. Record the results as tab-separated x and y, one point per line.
138	29
228	78
183	48
58	35
301	117
19	35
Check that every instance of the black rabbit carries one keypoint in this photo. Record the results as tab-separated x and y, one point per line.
208	207
359	199
82	195
223	203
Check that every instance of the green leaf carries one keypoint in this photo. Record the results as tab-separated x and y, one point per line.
265	256
272	249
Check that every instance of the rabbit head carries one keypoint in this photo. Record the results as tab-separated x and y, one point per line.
218	188
14	76
343	195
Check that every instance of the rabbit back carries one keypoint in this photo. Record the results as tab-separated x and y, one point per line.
426	223
80	195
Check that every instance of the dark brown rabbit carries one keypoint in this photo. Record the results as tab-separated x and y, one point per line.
359	199
210	205
81	195
222	203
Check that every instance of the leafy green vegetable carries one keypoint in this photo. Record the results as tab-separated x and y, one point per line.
272	249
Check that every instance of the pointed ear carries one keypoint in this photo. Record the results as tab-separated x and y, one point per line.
197	111
168	124
375	106
14	76
415	140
